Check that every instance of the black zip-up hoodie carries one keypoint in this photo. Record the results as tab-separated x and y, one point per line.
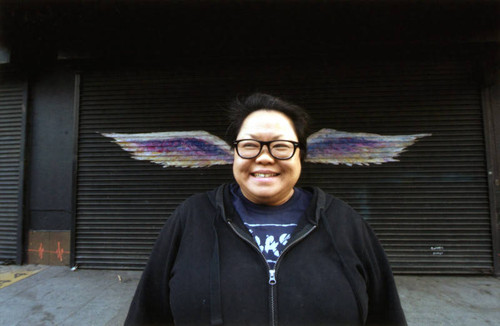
205	269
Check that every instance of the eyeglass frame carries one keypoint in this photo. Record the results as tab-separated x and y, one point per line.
266	143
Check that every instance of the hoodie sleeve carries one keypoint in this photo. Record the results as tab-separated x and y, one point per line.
384	307
151	304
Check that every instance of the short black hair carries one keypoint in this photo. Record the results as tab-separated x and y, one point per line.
240	109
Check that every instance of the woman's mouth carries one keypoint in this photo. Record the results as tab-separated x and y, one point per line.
264	175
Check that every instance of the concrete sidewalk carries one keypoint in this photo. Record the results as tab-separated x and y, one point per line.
59	296
450	300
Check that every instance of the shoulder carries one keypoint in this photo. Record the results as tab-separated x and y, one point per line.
196	206
340	215
350	231
200	200
333	206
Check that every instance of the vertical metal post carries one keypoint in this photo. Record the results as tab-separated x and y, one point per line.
491	118
76	111
21	193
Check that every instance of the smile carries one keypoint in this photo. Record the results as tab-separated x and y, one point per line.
265	175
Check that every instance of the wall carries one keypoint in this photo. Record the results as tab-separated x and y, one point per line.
33	35
50	166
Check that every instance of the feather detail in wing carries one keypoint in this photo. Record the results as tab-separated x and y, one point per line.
191	149
338	147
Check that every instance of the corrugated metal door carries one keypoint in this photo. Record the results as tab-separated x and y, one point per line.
12	126
430	210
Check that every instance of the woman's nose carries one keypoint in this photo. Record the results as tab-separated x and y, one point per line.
264	156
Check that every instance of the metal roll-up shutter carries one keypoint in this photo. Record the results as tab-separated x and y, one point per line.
12	99
430	209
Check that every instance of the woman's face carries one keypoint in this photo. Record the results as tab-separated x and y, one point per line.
264	179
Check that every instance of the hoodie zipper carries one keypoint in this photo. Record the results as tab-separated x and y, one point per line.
272	272
275	272
272	279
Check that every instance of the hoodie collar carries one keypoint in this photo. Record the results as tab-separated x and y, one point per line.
222	201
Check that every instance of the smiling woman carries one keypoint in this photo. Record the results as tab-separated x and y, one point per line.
262	250
264	179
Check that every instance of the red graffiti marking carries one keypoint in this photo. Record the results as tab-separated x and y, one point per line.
40	251
59	252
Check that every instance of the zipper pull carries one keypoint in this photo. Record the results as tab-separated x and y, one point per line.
272	278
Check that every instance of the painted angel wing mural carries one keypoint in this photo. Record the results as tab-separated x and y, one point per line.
339	147
198	148
192	149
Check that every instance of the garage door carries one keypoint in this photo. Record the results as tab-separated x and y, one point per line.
430	209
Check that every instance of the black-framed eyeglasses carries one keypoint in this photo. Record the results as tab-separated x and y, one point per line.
279	149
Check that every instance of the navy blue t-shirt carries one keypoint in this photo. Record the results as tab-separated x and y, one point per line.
271	226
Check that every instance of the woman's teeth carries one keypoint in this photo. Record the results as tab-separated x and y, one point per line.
265	175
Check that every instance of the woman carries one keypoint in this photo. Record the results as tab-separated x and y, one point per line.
262	251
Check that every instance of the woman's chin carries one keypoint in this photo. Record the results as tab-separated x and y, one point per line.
267	196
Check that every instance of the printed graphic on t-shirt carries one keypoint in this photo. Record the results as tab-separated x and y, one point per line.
271	239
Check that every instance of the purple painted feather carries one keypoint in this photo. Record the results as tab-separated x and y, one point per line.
176	149
330	146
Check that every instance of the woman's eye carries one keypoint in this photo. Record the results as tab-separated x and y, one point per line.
250	145
281	146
